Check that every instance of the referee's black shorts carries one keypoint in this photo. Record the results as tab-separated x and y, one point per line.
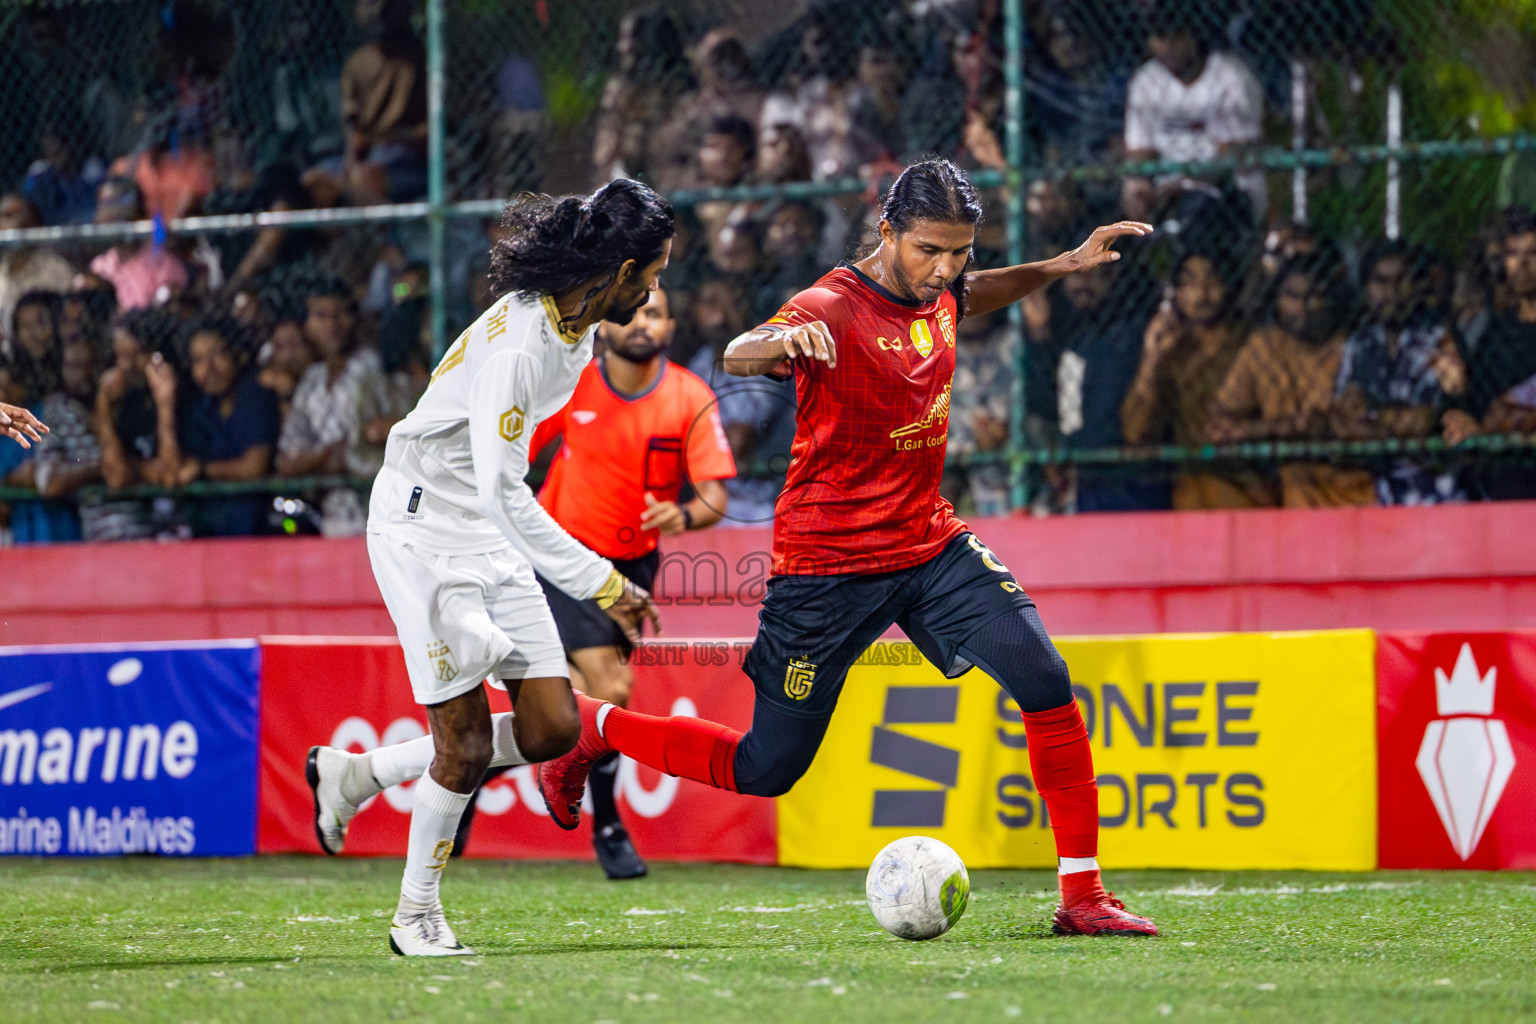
583	624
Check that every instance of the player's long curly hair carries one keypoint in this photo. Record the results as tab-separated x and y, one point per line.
554	243
934	189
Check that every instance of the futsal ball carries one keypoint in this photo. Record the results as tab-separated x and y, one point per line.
917	888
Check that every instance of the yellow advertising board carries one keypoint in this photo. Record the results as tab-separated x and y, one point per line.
1244	750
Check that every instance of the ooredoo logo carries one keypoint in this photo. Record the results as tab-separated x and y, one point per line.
500	795
1466	758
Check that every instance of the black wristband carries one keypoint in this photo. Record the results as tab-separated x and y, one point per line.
687	518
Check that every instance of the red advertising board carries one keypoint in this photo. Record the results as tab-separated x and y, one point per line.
1456	736
352	693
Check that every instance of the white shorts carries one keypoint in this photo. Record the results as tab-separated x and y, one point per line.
462	618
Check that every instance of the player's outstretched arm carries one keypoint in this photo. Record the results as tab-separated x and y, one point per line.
20	425
767	348
993	289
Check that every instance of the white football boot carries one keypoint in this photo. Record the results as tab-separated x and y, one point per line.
325	770
421	930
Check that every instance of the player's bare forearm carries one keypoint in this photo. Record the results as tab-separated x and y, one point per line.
987	290
994	289
754	353
763	350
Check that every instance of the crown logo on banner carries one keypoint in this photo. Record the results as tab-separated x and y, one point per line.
1465	692
1465	761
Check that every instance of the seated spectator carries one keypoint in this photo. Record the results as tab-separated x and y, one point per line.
249	256
726	152
1189	103
935	106
342	408
283	361
978	61
726	155
173	180
650	73
1057	213
1100	337
62	191
384	114
727	87
792	246
782	154
135	422
405	340
816	98
985	348
520	131
1280	386
727	82
717	313
758	414
142	272
782	157
733	252
1389	376
228	428
1492	395
876	102
1507	353
1075	95
26	268
87	311
34	342
1187	350
69	456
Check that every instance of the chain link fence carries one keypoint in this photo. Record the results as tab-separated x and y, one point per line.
1335	294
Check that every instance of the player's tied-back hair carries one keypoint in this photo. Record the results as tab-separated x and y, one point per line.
552	244
934	190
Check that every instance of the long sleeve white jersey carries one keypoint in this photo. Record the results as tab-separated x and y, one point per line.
453	477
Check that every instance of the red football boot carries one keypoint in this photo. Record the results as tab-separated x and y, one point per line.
1100	914
563	780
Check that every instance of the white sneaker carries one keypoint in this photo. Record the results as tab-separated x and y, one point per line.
324	770
421	930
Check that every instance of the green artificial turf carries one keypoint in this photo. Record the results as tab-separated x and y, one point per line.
300	939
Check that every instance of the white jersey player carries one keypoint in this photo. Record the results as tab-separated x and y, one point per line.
455	534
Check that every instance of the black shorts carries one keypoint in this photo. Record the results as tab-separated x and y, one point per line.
583	624
813	628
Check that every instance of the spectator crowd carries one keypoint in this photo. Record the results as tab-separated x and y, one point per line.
285	354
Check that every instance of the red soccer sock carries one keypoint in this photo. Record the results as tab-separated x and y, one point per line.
1080	886
690	747
1062	762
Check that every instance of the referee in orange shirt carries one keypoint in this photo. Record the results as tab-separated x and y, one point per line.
637	429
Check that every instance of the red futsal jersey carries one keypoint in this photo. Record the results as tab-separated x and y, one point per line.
618	447
862	491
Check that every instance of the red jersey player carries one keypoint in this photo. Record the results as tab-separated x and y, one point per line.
863	540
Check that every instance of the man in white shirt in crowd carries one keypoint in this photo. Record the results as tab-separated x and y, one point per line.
455	534
1190	102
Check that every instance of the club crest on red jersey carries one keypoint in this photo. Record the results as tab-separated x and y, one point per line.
922	338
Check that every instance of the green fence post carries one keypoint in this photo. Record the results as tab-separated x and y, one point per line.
1013	187
436	180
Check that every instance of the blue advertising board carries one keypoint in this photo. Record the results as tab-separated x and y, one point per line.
129	748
